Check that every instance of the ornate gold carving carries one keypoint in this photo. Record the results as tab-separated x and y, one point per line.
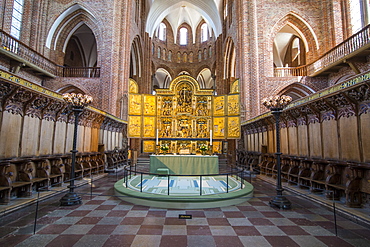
184	98
217	147
134	126
234	88
149	105
135	104
134	88
219	106
233	105
233	127
219	127
149	146
149	127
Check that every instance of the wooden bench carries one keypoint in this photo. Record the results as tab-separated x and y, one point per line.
21	185
5	183
318	174
55	170
304	173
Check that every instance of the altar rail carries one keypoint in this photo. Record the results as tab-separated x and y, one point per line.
21	177
129	170
336	178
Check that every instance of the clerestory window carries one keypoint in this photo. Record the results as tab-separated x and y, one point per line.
183	36
17	14
204	32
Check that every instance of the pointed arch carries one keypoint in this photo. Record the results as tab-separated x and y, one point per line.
136	58
71	89
300	28
296	90
69	21
229	59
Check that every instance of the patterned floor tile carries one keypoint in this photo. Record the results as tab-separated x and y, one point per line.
105	220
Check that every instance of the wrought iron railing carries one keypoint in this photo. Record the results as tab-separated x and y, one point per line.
337	54
22	53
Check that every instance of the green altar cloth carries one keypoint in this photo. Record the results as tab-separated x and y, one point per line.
185	164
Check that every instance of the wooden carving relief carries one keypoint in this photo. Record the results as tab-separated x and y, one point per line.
233	127
134	128
219	127
135	104
149	127
149	105
219	106
233	105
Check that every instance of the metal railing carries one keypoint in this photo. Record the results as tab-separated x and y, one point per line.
24	54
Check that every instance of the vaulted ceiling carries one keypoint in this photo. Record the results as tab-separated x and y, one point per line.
191	12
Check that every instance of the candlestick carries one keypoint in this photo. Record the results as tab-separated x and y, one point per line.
156	138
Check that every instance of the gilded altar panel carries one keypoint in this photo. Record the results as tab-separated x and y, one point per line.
149	127
134	126
148	146
219	127
234	88
149	105
219	106
217	147
133	88
233	127
135	104
233	105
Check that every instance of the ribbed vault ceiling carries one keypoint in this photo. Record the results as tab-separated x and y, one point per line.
178	12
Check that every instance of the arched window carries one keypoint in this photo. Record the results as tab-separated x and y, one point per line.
183	36
17	14
169	55
355	15
204	32
159	52
164	54
162	31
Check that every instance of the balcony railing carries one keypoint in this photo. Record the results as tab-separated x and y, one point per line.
350	47
290	71
31	58
80	72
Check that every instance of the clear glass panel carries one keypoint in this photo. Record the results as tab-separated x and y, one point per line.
183	36
356	15
204	32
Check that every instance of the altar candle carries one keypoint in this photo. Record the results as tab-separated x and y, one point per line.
210	137
156	138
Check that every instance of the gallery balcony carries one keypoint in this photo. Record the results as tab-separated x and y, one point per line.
355	48
22	56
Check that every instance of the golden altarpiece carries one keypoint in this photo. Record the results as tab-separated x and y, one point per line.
184	117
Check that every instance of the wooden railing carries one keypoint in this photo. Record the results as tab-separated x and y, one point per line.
22	53
290	71
337	54
81	72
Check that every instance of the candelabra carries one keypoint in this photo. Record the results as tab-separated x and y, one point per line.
78	103
276	104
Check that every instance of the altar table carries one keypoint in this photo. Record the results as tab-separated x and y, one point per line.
185	164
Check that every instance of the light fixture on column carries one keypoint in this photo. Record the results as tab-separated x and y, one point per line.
276	105
78	103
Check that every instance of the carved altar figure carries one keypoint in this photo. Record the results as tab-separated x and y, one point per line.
184	99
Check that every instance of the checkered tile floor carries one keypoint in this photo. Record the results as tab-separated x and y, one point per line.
105	220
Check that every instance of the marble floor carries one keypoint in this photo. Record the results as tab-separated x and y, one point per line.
105	220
